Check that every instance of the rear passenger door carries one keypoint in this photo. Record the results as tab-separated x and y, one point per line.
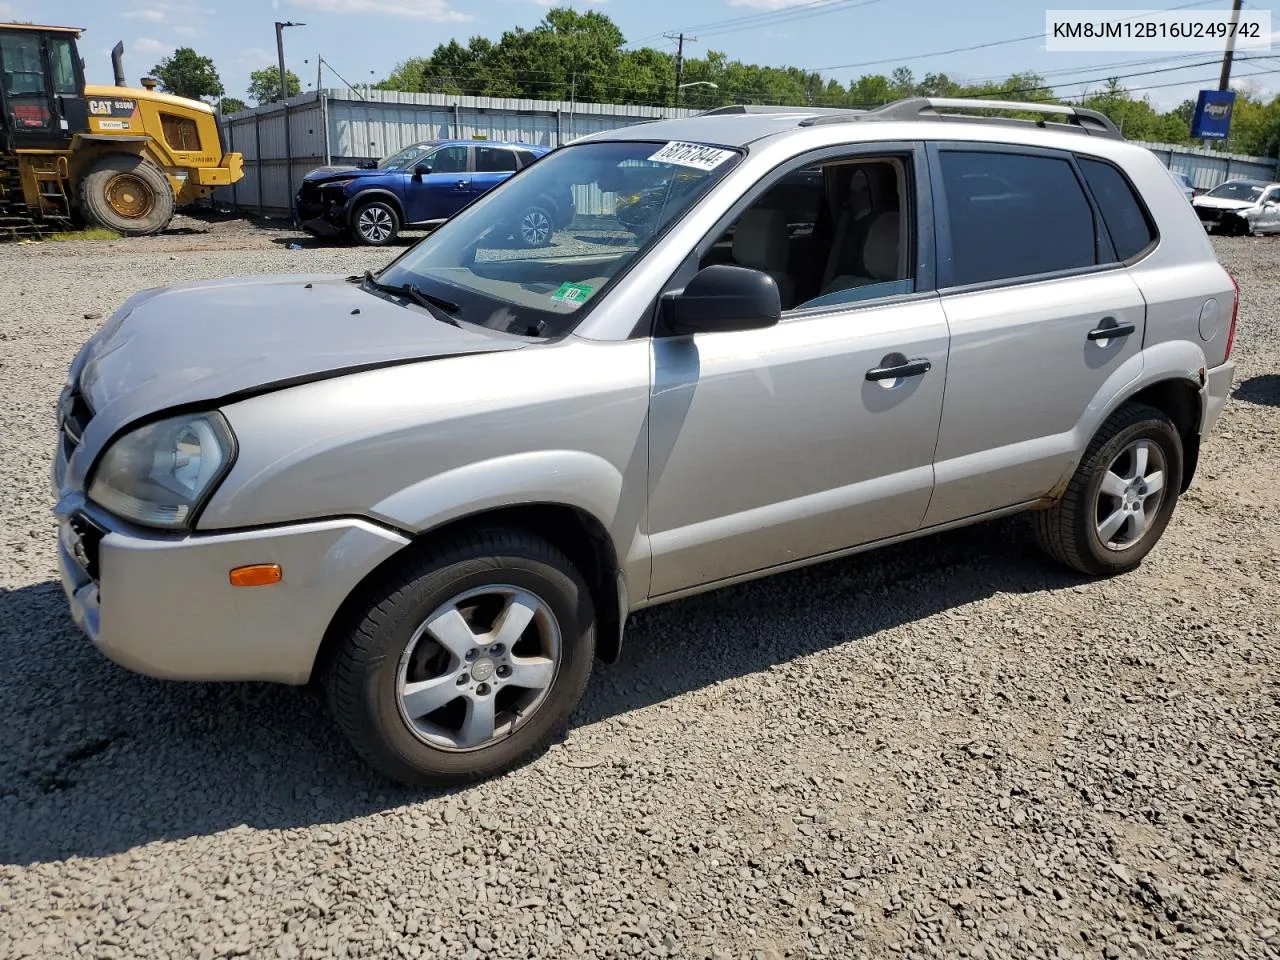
1031	282
493	165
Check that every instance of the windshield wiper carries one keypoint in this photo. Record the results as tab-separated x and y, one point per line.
418	296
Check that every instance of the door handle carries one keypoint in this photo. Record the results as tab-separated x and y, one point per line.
912	368
462	184
1113	332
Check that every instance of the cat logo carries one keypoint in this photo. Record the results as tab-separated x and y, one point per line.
112	108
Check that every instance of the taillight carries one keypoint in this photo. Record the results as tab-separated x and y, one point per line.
1235	311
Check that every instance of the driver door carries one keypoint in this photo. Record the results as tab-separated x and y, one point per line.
444	191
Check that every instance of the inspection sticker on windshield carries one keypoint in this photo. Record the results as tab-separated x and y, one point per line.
696	155
572	293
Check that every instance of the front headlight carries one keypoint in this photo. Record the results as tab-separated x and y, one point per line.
333	183
159	474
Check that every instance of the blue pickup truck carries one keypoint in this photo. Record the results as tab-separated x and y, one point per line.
420	187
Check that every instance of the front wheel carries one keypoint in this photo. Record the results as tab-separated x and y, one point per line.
535	227
375	223
1121	496
467	662
127	194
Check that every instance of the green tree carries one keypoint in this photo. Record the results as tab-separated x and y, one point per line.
188	74
230	105
264	85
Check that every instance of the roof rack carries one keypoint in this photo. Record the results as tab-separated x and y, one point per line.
926	108
738	109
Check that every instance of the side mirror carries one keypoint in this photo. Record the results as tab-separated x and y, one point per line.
421	170
368	164
721	298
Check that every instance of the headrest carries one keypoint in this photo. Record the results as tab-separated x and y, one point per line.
760	240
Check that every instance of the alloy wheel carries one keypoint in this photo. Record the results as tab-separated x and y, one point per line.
375	224
478	667
1130	495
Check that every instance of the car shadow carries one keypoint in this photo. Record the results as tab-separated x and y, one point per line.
97	760
1263	389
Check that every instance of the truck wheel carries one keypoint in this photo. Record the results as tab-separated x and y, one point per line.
127	194
465	662
1120	498
374	223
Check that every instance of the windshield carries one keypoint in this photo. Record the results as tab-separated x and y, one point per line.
1238	190
528	256
406	158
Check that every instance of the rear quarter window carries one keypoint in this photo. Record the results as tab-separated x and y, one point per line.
1014	215
1123	212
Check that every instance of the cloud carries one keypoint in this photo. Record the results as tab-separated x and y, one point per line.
149	14
148	45
183	30
437	10
8	11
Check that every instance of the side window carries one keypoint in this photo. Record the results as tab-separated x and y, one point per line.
448	160
63	64
526	157
1123	213
1014	215
494	160
179	132
23	72
834	233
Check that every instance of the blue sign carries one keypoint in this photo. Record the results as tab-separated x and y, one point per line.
1212	120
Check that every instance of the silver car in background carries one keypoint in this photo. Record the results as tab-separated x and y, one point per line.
440	489
1240	207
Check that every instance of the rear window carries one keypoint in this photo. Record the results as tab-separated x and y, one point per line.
494	160
1123	213
1015	215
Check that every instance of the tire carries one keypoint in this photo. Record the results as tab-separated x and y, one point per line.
374	223
535	227
390	654
1072	531
127	194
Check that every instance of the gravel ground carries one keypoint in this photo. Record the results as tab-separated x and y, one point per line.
948	748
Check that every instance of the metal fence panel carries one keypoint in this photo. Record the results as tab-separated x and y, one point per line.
348	125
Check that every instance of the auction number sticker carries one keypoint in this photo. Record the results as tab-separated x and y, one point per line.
696	155
574	294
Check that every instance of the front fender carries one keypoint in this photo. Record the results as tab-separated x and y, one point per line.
370	193
566	477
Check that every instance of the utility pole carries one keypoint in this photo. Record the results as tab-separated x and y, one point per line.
680	38
1224	80
284	100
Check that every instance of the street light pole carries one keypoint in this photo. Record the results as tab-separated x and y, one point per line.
284	100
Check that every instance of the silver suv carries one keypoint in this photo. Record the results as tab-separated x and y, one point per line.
769	338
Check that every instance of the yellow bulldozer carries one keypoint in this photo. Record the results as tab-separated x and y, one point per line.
113	157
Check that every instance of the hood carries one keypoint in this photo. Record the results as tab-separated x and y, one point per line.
204	343
1223	203
324	173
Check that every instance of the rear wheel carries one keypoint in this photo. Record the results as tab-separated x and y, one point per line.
375	223
1121	496
127	194
467	662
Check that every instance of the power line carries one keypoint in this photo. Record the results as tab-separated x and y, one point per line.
754	19
788	19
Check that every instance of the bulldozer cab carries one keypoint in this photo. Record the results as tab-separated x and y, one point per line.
42	101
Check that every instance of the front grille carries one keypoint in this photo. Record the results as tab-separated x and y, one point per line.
87	541
1209	214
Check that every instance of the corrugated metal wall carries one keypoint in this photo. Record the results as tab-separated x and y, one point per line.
347	125
370	125
1207	169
